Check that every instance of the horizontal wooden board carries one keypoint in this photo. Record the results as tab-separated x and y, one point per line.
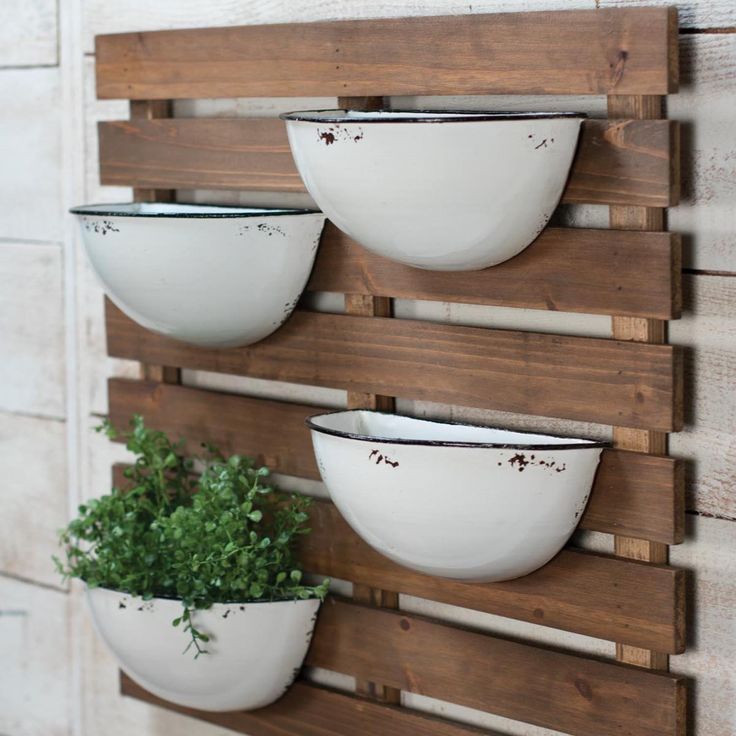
565	269
634	495
621	51
596	595
588	379
617	162
544	687
310	710
605	597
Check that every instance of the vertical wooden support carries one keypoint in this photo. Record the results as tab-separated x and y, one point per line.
370	306
639	330
148	110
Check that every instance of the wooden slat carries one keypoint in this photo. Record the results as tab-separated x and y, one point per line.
578	591
569	693
634	494
579	378
643	331
621	51
583	592
565	269
617	162
309	710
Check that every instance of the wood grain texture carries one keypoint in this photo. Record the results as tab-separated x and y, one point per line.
581	592
548	375
568	52
643	331
565	269
591	594
539	686
309	710
618	161
633	494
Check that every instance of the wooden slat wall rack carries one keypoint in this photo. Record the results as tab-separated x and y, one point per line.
633	381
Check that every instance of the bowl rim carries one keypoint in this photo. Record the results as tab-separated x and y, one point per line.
248	602
228	211
362	117
582	444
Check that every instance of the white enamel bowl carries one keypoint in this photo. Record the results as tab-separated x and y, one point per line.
458	501
440	191
255	649
211	276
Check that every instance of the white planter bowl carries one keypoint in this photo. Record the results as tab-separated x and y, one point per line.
255	649
211	276
435	190
458	501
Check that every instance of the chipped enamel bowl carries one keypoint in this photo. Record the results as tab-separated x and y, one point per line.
445	191
211	276
255	649
454	500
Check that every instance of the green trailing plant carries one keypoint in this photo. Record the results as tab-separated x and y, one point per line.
217	536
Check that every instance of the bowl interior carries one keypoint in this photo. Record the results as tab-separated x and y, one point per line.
377	426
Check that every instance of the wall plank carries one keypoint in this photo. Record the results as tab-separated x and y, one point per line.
28	33
706	216
35	682
31	330
709	660
30	151
708	442
33	457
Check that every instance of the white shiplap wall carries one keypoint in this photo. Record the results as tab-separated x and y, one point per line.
56	679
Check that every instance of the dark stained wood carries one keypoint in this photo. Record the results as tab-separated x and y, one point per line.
614	51
578	591
565	269
545	687
592	594
626	162
618	162
634	494
271	431
580	378
645	331
310	710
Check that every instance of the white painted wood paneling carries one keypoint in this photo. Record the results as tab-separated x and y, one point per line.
708	330
31	329
710	554
34	677
30	152
28	33
706	107
691	13
33	457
